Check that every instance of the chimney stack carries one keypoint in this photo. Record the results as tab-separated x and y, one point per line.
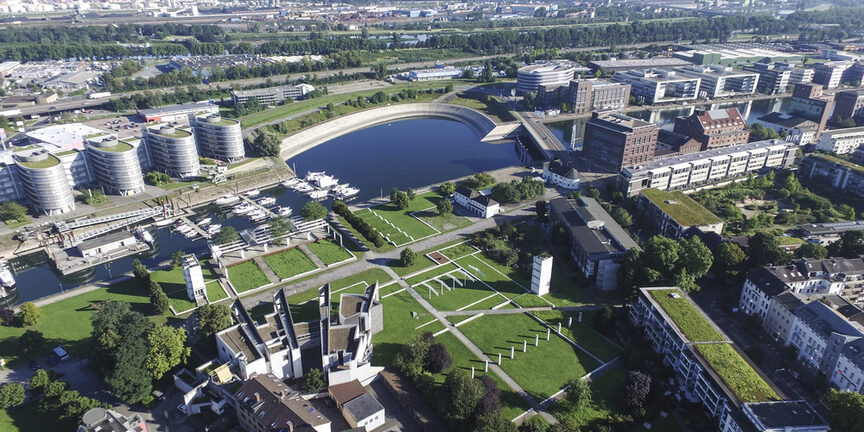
257	397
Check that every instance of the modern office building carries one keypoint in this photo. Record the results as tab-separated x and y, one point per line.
551	73
672	213
795	129
728	54
715	128
173	113
272	95
588	95
62	137
44	182
613	141
172	149
597	243
655	86
841	141
115	164
837	173
773	79
707	168
721	81
849	104
830	74
218	137
808	102
705	363
447	72
826	233
615	66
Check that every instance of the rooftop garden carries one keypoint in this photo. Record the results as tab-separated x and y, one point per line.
684	314
48	162
736	373
120	147
225	122
681	207
178	133
830	158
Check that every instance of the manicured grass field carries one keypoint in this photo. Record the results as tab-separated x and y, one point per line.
421	262
403	219
215	292
457	297
67	322
685	315
382	227
247	276
289	263
496	280
431	273
174	285
583	335
458	251
737	373
488	303
511	404
531	300
445	222
399	326
497	333
329	251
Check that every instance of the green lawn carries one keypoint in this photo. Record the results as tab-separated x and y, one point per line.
531	300
247	276
680	207
174	284
605	402
737	373
458	251
215	292
28	418
431	273
456	297
67	322
387	231
445	222
289	263
684	314
583	335
496	280
403	219
511	404
329	251
421	262
497	333
399	326
488	303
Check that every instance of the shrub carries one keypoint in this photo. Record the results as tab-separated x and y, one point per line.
360	225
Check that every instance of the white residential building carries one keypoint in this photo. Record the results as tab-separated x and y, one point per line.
706	168
559	174
658	86
476	202
721	81
841	141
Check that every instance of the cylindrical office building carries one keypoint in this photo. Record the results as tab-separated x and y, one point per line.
116	166
45	184
173	150
552	73
218	137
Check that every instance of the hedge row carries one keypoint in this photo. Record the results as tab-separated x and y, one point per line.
360	225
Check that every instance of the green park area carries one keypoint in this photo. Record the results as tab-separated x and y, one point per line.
246	276
422	262
289	263
583	335
453	290
402	317
496	334
173	283
329	251
488	105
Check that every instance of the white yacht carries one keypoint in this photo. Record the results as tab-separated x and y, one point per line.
345	191
283	211
267	201
144	235
242	208
252	193
257	215
203	221
290	182
303	187
7	279
227	200
318	194
214	229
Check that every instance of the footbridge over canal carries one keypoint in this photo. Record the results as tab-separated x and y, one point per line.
486	128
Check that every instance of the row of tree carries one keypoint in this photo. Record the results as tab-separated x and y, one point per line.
516	191
358	224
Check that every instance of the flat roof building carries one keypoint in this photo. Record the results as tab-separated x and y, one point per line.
588	95
841	141
105	420
63	137
115	164
173	149
597	243
550	73
715	128
447	72
707	168
654	86
721	81
611	66
272	95
796	129
672	213
177	112
773	79
734	53
613	141
849	104
44	182
834	172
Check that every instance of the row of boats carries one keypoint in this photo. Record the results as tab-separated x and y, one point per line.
319	185
204	224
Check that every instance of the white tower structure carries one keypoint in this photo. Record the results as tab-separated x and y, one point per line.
195	288
541	275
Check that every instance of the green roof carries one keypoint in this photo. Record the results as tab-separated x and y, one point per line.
829	158
680	207
30	147
223	122
120	147
65	152
686	317
178	133
49	162
737	373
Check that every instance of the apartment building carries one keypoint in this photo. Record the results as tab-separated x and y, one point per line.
613	141
264	403
714	128
551	73
808	102
830	74
173	149
597	242
773	79
588	95
218	137
115	164
795	129
691	343
270	96
706	168
656	86
849	104
672	213
841	141
835	172
721	81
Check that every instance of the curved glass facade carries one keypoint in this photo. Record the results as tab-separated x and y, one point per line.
218	137
558	72
44	181
116	168
173	150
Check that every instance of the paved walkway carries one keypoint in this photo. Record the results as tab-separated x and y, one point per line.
520	310
305	248
266	269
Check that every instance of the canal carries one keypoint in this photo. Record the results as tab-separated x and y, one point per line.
408	153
